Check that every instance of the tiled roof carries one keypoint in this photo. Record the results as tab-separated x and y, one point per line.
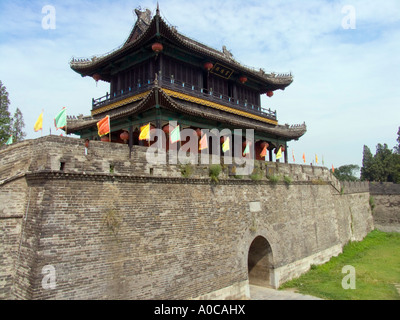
142	32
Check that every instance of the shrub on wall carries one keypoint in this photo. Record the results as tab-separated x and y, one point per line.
274	179
186	170
288	180
372	203
214	171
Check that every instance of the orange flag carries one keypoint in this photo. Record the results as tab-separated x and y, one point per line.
203	143
304	157
263	152
103	126
333	169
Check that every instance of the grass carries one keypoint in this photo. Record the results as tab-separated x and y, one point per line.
376	260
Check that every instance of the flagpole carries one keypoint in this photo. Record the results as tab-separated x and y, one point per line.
66	125
41	130
109	126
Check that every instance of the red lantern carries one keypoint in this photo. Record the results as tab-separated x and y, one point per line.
157	47
208	66
244	144
243	79
168	129
198	131
270	93
124	136
96	77
105	139
264	144
283	149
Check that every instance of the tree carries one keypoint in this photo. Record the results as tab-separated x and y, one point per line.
347	172
382	157
17	126
5	119
383	167
396	149
368	169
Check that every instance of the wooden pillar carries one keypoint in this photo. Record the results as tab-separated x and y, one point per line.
130	140
151	70
235	93
119	83
200	80
112	86
285	154
140	141
160	66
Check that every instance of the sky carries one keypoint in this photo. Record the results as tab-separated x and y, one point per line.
344	55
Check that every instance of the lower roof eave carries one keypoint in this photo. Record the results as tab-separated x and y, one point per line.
163	100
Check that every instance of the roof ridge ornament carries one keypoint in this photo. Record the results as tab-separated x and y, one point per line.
158	9
227	53
143	17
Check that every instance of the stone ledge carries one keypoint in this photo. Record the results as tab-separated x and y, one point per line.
60	175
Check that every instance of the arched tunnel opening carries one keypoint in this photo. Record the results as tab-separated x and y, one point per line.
260	262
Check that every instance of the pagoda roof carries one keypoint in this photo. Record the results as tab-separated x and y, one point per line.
182	104
147	30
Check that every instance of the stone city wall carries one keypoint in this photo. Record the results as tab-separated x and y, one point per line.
115	227
386	198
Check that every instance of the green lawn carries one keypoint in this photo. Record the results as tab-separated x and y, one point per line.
376	260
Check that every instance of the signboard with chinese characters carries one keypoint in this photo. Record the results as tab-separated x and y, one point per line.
221	71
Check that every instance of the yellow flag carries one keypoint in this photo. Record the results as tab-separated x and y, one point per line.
316	159
279	154
145	132
39	123
225	145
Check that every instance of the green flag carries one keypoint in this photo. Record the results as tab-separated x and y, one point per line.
9	141
60	121
175	135
247	149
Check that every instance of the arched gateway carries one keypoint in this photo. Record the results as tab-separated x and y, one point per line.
260	262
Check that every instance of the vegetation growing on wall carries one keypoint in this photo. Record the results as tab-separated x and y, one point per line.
112	221
186	170
214	171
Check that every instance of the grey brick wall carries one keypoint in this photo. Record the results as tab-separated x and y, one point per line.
135	233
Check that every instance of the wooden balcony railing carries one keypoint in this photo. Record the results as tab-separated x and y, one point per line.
186	88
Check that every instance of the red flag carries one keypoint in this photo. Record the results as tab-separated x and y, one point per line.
103	126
